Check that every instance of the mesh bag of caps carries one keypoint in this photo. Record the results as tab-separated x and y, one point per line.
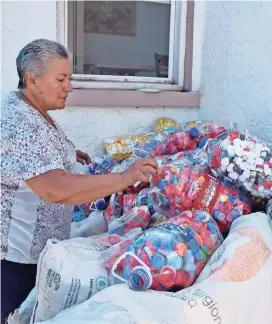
183	184
171	255
171	139
120	148
242	160
193	135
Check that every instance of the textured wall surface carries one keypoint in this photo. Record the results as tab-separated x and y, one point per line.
237	64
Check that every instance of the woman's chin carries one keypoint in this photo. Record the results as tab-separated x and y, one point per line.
61	105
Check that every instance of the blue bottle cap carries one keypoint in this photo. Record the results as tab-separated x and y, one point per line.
101	204
139	279
202	142
158	261
175	261
193	132
162	184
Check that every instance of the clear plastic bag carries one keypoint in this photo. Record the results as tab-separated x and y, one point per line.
92	225
174	143
193	135
167	124
120	167
143	150
120	148
129	201
79	213
211	129
115	208
101	165
136	217
185	185
156	219
144	198
171	255
243	160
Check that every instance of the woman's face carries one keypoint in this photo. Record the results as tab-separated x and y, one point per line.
53	87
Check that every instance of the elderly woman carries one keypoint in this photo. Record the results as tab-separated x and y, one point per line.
38	184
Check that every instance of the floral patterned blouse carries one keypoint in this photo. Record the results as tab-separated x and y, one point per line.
30	146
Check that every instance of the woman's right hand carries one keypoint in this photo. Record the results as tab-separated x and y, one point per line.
140	171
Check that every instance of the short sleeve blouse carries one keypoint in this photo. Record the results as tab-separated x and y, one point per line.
30	146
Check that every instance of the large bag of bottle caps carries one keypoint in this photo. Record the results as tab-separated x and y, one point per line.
184	185
143	151
243	160
171	255
194	135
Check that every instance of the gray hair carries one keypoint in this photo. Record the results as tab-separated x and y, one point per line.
34	57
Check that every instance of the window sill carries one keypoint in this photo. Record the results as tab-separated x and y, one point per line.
133	98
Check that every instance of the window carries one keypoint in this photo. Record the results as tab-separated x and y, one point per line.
128	42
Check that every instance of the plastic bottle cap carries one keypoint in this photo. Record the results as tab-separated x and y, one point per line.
202	142
193	132
101	205
139	279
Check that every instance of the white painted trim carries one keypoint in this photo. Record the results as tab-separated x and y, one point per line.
65	22
198	39
80	36
61	22
119	78
171	40
182	41
123	85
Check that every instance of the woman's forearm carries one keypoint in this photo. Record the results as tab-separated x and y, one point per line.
57	186
87	188
71	189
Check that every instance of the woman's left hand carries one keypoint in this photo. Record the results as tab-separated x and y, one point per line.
83	158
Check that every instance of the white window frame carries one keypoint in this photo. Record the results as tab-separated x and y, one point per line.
177	49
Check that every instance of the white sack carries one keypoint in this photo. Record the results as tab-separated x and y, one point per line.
71	271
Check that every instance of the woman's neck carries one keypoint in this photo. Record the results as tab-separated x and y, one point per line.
30	99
